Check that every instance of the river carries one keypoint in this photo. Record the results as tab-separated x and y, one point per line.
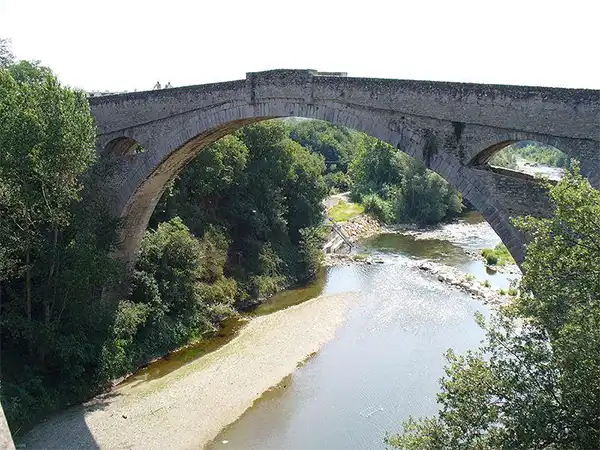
357	351
385	362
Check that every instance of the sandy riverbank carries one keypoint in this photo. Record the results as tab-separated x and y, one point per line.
187	408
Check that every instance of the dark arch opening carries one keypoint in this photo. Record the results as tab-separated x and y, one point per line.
123	146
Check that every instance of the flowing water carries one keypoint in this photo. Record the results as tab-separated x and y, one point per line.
385	362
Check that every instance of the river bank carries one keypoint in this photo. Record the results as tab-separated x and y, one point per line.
188	407
402	282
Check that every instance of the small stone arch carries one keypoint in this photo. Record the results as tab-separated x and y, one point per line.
123	146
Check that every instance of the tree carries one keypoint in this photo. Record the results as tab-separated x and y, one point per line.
535	381
54	257
336	144
6	56
264	191
395	187
47	137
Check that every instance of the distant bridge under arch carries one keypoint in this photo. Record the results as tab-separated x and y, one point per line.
453	128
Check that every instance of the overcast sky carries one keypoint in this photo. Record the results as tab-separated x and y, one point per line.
130	44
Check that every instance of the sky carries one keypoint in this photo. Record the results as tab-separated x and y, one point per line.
119	45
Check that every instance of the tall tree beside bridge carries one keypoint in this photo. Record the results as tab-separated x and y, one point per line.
535	381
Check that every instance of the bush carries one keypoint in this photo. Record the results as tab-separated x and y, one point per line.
179	294
378	208
490	256
338	181
499	255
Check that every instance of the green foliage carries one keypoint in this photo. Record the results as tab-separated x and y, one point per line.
338	181
533	152
534	382
265	192
398	188
311	252
561	268
343	211
504	158
499	255
336	144
378	208
55	254
179	294
425	198
490	256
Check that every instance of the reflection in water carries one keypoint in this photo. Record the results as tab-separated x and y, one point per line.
434	249
175	360
293	296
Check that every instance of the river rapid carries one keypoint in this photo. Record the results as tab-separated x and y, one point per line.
385	362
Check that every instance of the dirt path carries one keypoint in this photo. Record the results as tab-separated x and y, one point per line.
187	408
333	200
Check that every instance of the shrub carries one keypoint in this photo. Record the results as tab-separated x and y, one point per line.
338	181
378	208
499	255
490	256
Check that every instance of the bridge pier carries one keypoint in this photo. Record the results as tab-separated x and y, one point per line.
6	441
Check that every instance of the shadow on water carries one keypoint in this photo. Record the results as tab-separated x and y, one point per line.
173	361
293	296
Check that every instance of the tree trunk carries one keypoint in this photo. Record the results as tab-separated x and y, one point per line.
48	306
28	287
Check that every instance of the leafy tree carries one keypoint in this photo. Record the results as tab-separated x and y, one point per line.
48	137
336	144
55	259
204	185
6	56
265	192
534	382
395	187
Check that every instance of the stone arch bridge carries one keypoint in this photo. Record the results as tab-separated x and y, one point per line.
146	138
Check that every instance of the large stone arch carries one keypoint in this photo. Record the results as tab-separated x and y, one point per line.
169	152
449	127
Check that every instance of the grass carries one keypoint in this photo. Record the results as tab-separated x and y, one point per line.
361	257
344	211
497	256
